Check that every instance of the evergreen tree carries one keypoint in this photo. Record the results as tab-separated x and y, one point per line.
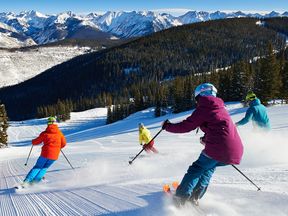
161	101
63	110
239	81
109	115
269	83
284	89
158	110
178	95
188	92
138	100
3	127
224	84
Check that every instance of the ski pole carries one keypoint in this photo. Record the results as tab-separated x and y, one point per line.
258	188
67	159
28	156
130	162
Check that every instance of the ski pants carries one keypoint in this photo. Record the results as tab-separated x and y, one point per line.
196	180
150	147
39	170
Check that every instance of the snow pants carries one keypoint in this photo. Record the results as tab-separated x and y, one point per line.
196	180
39	170
150	147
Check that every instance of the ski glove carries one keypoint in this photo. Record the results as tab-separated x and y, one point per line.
165	124
202	140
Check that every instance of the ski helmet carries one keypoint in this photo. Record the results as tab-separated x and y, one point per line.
250	96
51	120
141	125
205	89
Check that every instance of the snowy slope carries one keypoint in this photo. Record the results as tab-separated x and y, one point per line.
9	37
104	184
18	66
6	41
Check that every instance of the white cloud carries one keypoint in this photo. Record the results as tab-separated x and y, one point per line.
247	11
181	11
172	11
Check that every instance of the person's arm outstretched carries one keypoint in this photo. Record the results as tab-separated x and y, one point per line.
247	118
187	125
38	140
63	141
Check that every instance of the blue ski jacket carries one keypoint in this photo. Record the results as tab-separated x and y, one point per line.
257	112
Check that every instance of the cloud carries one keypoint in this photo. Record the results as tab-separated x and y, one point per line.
172	11
181	11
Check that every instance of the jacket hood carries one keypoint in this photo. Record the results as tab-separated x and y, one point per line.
255	102
142	128
53	128
210	102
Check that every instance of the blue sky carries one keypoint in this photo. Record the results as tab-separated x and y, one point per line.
175	7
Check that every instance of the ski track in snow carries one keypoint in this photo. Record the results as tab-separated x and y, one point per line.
104	184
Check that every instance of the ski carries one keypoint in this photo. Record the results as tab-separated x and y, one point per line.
25	185
18	187
21	186
167	189
177	203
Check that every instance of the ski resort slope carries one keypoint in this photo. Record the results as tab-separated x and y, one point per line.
103	183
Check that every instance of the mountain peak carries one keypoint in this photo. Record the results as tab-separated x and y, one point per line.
123	24
274	14
30	14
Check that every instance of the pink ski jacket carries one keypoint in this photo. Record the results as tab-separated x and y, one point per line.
222	141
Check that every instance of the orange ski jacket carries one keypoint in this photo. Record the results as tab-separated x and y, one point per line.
53	140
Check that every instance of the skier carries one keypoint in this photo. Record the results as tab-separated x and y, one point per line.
257	112
145	138
222	143
54	141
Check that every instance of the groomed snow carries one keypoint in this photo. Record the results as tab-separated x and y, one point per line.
104	184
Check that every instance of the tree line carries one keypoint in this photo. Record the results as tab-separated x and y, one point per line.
266	76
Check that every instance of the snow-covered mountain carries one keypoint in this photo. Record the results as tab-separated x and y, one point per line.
194	16
103	183
135	24
9	37
20	65
274	14
49	28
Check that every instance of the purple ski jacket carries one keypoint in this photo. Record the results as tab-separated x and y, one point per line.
222	141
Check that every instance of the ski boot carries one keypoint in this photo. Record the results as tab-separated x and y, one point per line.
23	185
179	201
193	201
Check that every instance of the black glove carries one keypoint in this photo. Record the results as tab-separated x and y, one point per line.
165	124
202	140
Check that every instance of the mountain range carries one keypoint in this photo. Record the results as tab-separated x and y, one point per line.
136	67
32	27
